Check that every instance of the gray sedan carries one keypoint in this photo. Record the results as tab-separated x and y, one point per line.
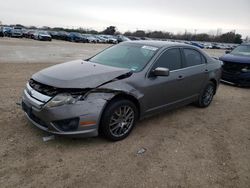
107	93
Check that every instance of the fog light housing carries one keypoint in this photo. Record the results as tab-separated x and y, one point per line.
67	125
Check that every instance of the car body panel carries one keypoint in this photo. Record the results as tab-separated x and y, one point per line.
78	74
235	58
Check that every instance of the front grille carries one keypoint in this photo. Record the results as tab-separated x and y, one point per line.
53	91
231	67
44	89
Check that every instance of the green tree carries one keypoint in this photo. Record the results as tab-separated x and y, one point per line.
238	39
109	30
139	33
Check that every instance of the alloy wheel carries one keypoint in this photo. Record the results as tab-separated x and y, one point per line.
208	95
121	121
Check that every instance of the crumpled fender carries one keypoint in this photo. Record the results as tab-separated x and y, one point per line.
118	87
112	89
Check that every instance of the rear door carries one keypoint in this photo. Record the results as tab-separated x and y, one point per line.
195	73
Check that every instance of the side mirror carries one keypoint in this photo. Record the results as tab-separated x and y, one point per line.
160	71
227	51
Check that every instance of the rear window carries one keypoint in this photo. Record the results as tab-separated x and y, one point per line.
193	58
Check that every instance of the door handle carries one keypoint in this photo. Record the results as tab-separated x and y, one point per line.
206	70
180	77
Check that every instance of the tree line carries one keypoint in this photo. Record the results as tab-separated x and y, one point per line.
229	37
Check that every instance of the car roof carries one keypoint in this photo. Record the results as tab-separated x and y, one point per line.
158	44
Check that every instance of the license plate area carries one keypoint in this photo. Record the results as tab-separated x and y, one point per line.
27	109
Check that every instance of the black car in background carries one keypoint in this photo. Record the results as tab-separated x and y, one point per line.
236	65
54	34
1	32
76	37
59	35
62	35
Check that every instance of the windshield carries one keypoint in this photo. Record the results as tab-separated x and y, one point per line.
128	56
77	34
242	50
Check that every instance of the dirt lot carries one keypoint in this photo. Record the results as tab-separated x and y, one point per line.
187	147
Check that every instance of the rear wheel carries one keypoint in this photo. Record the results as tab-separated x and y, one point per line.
118	119
206	96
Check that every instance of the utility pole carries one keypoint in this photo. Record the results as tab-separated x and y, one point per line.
195	31
218	32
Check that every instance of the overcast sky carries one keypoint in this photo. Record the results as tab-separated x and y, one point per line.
166	15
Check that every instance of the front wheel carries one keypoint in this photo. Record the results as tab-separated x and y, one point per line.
118	119
206	96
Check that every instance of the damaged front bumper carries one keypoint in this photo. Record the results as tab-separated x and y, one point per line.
79	119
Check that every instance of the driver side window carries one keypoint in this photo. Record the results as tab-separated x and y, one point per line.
170	59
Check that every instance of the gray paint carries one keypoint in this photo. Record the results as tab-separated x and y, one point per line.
78	74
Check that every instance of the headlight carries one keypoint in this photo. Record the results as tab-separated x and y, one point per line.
246	69
62	99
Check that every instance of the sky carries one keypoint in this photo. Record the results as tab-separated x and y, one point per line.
130	15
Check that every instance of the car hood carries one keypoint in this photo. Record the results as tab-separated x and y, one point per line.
235	58
78	74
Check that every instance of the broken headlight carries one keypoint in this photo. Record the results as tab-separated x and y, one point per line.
62	99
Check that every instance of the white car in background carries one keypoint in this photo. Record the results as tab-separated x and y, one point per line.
42	35
16	32
208	45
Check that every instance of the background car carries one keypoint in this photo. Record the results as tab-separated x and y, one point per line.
29	34
208	45
199	45
90	38
101	39
62	35
1	32
110	39
121	38
236	66
42	35
7	31
54	34
133	38
76	37
16	32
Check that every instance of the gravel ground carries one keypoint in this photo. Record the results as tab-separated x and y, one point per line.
187	147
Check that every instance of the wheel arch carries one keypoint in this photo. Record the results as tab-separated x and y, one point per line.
130	98
124	95
215	83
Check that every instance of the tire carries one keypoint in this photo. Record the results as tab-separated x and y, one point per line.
116	124
206	96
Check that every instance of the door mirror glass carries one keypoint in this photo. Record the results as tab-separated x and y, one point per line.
160	71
